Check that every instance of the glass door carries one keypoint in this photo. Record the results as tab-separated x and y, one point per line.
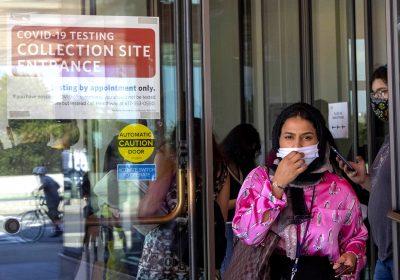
99	139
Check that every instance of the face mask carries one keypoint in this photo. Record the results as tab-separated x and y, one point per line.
381	108
310	152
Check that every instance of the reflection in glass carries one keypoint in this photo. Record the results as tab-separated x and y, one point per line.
282	57
332	61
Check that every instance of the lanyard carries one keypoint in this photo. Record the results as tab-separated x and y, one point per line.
299	246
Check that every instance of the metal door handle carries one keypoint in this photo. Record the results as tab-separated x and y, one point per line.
175	212
394	215
181	176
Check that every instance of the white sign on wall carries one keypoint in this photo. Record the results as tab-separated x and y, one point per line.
83	67
338	120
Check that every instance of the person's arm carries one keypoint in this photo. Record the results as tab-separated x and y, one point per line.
353	239
288	169
256	207
154	198
43	183
366	184
223	198
232	204
231	167
261	200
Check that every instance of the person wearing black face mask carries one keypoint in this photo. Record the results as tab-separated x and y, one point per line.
377	182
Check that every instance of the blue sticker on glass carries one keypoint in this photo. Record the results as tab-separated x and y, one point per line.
136	172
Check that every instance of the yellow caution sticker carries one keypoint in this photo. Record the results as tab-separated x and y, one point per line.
135	143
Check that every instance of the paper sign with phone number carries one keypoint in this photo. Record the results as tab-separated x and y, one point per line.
83	67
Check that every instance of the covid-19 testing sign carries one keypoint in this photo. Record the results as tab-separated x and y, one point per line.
83	67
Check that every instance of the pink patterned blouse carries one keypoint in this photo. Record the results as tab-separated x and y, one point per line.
336	226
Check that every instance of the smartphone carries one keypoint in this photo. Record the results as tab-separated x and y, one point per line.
342	270
350	168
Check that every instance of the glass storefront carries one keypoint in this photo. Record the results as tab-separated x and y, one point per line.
112	112
96	164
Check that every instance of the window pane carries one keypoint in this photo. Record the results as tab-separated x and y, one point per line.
282	56
332	67
81	156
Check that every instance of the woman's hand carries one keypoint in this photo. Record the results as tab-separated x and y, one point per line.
359	176
289	168
346	264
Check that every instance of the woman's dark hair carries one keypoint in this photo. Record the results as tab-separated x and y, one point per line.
241	146
218	161
314	116
380	73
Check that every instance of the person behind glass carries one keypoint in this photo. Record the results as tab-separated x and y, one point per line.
378	181
240	149
162	254
50	188
315	212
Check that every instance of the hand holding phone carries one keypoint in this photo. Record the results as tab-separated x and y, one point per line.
345	265
349	166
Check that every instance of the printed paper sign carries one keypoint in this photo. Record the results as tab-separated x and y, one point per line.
339	120
83	67
136	172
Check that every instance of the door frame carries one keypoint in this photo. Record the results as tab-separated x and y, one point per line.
393	51
209	249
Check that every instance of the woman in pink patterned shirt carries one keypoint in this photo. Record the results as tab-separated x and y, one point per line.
315	212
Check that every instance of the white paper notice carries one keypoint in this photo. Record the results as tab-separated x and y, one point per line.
83	67
339	120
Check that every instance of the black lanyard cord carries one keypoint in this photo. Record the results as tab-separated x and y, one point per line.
299	246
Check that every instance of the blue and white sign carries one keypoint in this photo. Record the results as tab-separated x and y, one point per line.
136	172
